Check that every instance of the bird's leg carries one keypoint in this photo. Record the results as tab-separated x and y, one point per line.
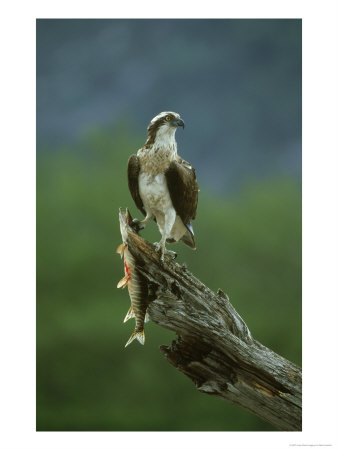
164	251
140	224
165	228
162	248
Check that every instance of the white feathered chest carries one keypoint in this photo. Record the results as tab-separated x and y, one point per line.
152	181
163	191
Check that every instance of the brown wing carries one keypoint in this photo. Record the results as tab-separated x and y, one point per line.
133	173
183	189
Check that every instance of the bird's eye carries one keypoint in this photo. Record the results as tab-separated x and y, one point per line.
168	118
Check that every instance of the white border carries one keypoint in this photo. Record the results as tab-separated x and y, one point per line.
320	202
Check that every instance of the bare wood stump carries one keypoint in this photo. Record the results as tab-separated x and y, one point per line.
214	346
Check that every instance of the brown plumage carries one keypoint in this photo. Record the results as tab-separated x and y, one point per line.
183	189
163	185
133	173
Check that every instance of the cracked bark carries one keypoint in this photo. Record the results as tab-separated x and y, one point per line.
214	346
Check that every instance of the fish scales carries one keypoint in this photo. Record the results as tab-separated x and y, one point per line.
138	293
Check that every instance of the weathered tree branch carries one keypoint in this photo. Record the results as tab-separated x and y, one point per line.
214	346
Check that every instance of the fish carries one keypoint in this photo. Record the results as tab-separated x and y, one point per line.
136	283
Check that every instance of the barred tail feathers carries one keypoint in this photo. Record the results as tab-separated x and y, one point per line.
139	335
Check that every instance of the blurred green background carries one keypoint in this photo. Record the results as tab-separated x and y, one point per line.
248	244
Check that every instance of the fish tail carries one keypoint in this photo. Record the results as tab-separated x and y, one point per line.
139	335
130	314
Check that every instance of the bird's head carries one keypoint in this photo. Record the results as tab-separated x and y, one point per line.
163	127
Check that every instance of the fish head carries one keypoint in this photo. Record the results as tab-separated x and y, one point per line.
125	221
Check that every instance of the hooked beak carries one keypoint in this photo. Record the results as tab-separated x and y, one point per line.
179	123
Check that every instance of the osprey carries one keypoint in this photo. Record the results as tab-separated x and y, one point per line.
163	185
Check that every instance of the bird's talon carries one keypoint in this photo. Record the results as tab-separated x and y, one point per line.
173	255
170	253
136	225
157	246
